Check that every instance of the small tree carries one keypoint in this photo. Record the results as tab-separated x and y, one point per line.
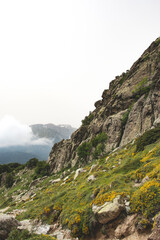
9	180
32	163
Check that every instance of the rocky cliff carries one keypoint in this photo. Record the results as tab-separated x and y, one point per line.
127	109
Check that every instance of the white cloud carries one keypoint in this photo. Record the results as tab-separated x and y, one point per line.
13	133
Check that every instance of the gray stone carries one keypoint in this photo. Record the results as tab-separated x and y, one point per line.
6	224
91	178
109	211
78	171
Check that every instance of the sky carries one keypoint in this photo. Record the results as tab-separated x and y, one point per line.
58	56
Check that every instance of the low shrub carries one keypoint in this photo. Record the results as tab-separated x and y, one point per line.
9	180
42	169
146	200
95	147
84	150
147	138
26	235
88	119
32	163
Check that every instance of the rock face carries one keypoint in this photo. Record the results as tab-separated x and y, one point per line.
126	228
6	225
128	108
156	230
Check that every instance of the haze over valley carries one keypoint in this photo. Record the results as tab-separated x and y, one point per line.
20	142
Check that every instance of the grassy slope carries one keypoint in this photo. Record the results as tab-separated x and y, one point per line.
71	202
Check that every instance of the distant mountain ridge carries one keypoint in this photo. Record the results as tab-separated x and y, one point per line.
51	132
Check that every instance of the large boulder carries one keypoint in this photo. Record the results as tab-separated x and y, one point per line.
126	228
109	211
6	224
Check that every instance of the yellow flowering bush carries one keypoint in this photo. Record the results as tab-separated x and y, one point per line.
146	200
141	172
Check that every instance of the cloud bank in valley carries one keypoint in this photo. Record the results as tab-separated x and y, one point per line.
14	133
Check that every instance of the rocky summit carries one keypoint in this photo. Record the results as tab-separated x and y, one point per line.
127	109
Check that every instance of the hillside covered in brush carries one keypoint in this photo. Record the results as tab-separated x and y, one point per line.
104	182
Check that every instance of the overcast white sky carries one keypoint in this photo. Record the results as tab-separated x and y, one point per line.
57	56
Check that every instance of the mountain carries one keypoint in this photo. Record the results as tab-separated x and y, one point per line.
127	109
50	132
103	182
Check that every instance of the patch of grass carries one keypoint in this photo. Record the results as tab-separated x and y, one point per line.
25	235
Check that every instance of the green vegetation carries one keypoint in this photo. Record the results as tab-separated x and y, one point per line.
10	167
123	78
141	88
157	41
32	163
95	147
88	119
42	169
146	57
84	150
9	180
147	138
25	235
70	201
146	200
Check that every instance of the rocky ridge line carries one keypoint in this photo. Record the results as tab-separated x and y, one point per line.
128	108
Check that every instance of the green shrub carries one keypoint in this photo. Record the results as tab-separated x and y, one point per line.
141	89
146	200
147	138
87	120
84	150
100	138
125	118
95	147
9	180
16	234
10	167
123	78
32	163
42	169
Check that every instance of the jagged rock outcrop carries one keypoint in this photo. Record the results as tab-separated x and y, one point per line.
128	108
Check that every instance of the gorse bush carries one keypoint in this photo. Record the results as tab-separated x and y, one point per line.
147	138
146	200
